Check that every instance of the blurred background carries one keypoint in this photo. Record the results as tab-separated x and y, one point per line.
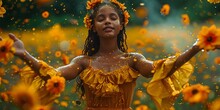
53	31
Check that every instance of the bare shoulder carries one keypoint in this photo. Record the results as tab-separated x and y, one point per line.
82	60
135	55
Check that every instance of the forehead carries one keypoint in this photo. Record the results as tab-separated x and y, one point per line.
106	9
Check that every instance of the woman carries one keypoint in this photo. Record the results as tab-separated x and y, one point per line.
107	71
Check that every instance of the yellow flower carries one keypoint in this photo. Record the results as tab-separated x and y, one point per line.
196	93
214	1
55	85
185	19
142	107
208	37
2	9
6	50
165	10
24	96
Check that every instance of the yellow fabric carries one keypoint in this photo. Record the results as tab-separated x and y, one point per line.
29	77
164	90
111	90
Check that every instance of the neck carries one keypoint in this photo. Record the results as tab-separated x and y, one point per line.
108	46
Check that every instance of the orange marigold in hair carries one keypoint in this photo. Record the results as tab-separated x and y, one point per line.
196	93
55	85
208	37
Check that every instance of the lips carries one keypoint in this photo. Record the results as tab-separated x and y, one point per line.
108	29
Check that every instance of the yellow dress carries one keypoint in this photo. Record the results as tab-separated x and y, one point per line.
114	90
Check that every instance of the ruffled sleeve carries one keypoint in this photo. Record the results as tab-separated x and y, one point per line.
164	90
34	80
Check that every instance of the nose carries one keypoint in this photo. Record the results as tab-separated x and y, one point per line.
107	21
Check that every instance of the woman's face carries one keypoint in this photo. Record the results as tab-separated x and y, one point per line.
107	22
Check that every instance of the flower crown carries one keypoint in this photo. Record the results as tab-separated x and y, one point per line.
92	3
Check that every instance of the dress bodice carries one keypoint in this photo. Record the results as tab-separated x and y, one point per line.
111	90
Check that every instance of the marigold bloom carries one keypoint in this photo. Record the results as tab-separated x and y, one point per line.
208	37
45	14
58	53
55	85
2	9
142	107
92	3
6	50
24	96
196	93
185	19
214	1
165	10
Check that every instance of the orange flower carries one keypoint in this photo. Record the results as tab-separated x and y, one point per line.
2	9
185	19
217	60
196	93
55	85
92	3
6	50
24	96
208	37
58	53
214	1
45	14
142	107
87	21
165	10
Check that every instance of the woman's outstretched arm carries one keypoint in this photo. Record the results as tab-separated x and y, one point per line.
186	56
69	71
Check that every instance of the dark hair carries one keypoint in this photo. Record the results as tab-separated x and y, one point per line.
92	42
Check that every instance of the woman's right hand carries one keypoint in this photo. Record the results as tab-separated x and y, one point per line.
20	51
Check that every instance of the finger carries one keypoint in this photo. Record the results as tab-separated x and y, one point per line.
0	38
12	36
